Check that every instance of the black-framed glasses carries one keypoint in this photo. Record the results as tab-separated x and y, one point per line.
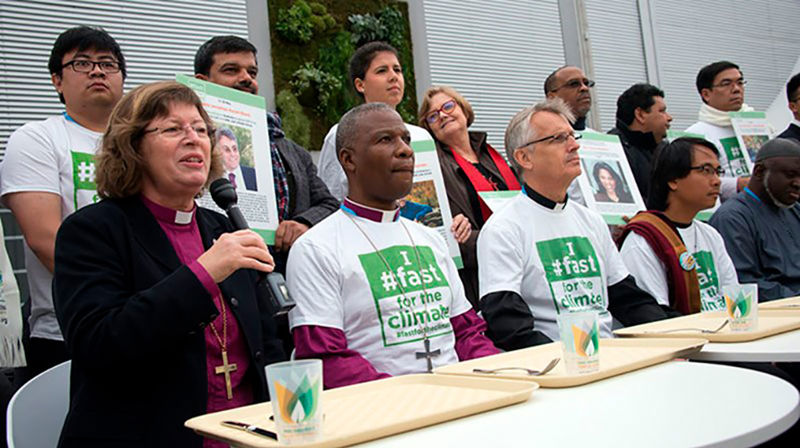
709	169
728	83
576	84
86	65
179	131
558	139
448	107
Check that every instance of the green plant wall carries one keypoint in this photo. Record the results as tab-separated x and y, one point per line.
312	42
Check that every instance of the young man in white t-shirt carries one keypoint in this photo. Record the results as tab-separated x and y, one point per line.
542	254
377	76
721	87
48	170
377	294
681	261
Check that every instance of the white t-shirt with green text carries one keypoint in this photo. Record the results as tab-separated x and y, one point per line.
714	267
53	156
339	281
558	260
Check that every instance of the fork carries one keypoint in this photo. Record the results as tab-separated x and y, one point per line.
701	330
530	372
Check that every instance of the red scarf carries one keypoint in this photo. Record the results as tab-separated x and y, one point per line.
666	242
480	183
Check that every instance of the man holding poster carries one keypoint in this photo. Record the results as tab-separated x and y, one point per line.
721	87
564	263
302	198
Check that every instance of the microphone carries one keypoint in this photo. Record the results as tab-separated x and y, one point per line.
271	287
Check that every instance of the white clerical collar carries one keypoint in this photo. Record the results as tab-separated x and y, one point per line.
373	214
168	215
796	122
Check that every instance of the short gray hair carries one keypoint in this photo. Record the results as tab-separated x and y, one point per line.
347	130
520	131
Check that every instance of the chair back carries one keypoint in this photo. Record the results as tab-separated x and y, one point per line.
37	411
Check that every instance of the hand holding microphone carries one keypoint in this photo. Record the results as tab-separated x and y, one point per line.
271	287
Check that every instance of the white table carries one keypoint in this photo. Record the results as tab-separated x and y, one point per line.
784	347
673	404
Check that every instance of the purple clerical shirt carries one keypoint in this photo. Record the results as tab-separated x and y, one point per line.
184	235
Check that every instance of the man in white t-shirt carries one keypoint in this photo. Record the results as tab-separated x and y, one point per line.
681	261
376	75
377	294
48	170
542	254
721	87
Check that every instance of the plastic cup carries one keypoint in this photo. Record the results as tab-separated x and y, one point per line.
741	304
580	341
295	388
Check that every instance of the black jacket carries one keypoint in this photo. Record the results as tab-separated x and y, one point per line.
133	319
640	149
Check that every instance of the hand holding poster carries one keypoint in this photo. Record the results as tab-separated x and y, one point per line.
243	141
752	131
606	180
427	202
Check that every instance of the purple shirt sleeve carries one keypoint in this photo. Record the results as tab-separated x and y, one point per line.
205	278
470	341
340	365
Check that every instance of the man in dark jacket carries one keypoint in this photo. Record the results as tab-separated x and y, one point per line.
303	199
642	123
793	95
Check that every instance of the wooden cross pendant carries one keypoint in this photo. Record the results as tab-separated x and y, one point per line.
226	369
428	354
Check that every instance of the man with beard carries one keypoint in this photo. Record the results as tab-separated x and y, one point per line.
681	261
761	225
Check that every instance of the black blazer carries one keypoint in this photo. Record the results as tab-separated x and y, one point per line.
793	131
133	319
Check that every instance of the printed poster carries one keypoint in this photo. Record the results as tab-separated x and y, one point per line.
705	215
752	131
243	141
606	180
496	200
427	202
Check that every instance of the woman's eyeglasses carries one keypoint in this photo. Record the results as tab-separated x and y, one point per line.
447	107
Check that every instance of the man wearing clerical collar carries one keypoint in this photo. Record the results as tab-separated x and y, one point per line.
761	225
378	295
542	255
681	261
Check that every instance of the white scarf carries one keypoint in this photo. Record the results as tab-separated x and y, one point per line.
11	351
717	117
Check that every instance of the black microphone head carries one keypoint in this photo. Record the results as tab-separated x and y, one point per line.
223	193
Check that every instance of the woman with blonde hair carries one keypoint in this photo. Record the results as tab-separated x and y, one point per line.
155	295
469	165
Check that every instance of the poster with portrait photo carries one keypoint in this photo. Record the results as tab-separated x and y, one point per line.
606	181
752	131
427	202
241	122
